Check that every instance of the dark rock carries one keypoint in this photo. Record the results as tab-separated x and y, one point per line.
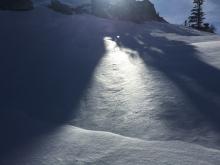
16	5
60	7
69	9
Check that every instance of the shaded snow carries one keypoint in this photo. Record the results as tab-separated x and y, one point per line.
152	86
70	2
210	51
70	145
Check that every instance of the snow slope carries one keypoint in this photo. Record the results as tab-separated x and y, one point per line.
149	91
70	145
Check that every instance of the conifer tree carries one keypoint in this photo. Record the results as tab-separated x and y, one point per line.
197	15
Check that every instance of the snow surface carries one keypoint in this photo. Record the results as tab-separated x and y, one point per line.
123	93
71	145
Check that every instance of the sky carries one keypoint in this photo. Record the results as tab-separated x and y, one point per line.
176	11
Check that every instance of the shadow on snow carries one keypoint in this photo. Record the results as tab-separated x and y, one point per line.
44	72
180	63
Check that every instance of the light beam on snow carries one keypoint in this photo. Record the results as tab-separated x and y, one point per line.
120	81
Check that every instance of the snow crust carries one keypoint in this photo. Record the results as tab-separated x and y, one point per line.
150	92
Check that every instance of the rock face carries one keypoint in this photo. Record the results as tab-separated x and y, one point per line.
59	7
67	8
16	4
134	10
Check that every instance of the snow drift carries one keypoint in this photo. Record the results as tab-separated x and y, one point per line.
70	145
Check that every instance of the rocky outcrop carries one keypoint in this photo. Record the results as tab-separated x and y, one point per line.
59	7
67	8
134	10
16	5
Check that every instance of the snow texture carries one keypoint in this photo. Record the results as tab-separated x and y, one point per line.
77	89
70	145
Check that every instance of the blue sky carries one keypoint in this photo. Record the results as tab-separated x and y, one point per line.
176	11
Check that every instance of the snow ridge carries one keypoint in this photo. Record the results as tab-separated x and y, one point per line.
71	145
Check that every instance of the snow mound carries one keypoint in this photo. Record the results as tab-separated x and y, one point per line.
71	145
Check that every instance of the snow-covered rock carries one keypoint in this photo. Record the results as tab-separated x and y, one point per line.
137	11
133	10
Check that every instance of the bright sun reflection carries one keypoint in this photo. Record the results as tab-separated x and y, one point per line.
122	65
117	85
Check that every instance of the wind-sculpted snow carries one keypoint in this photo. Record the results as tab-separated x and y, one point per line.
70	145
155	85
